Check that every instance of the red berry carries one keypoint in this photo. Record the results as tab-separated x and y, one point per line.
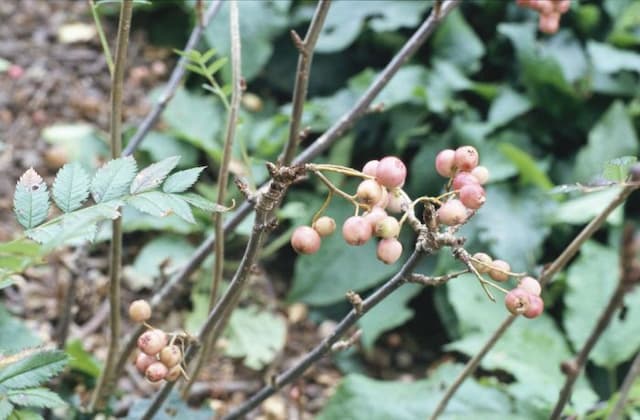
305	240
173	374
389	250
325	226
171	356
445	163
156	372
472	196
152	341
499	270
530	285
396	201
484	262
517	301
356	230
369	192
452	213
480	173
391	172
536	306
139	310
374	215
143	361
463	178
466	158
389	227
370	167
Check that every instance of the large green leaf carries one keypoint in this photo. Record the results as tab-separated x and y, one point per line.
507	106
14	334
581	209
455	41
591	281
32	369
609	59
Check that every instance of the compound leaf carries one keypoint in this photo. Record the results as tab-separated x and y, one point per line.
32	370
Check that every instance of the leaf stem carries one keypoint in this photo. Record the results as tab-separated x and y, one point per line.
103	39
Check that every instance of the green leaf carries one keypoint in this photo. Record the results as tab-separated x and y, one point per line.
591	281
25	414
455	41
507	106
31	200
611	137
202	203
81	360
529	168
617	170
257	336
33	369
582	209
161	204
153	175
5	407
71	187
15	257
182	180
113	179
213	68
14	334
35	397
608	59
173	408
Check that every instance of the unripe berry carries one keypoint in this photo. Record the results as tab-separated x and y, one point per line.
391	172
517	301
481	173
370	167
536	306
156	372
463	178
374	216
466	158
152	341
396	201
356	230
305	240
452	213
445	162
173	374
325	226
170	356
369	192
484	264
389	250
530	285
499	269
139	310
143	361
389	227
472	196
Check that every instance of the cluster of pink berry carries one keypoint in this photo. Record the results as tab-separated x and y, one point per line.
524	299
550	12
467	178
379	193
158	358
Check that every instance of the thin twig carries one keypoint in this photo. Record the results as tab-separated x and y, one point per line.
434	281
174	81
107	379
625	389
558	264
306	48
223	174
103	39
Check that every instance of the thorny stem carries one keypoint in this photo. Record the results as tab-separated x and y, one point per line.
163	300
223	173
306	48
625	389
103	39
107	378
558	264
174	81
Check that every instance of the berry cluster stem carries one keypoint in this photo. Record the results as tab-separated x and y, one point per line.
338	191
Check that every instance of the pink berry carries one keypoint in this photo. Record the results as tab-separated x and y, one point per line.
452	213
517	301
536	306
152	341
170	356
481	173
374	215
445	163
389	250
387	228
356	230
156	372
143	361
530	285
472	196
305	240
466	158
139	310
499	270
563	6
396	201
391	172
370	167
173	374
549	23
369	192
325	226
463	178
483	265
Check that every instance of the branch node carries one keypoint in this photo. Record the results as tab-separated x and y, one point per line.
345	344
298	42
356	301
